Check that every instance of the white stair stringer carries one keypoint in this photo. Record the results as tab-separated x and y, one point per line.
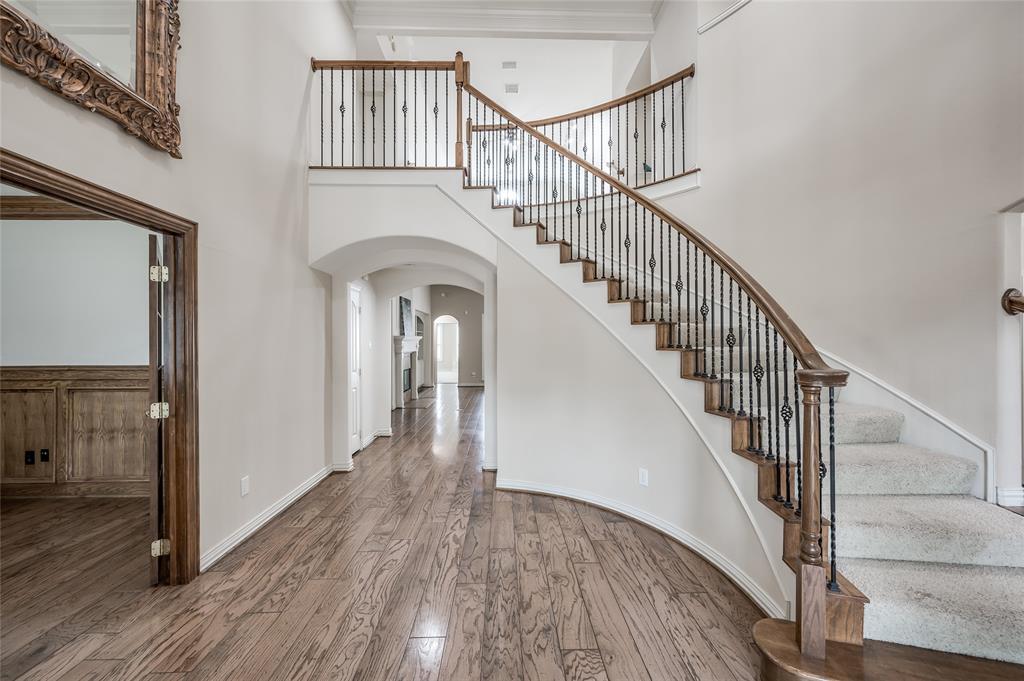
766	579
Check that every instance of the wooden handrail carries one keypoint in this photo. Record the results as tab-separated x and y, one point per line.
381	65
814	367
1013	301
624	99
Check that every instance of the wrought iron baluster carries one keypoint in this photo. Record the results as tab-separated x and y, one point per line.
742	370
321	116
787	416
833	583
730	340
798	437
759	373
341	108
704	309
373	116
714	346
769	372
672	99
331	106
778	452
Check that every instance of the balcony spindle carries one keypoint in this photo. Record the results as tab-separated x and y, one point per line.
833	582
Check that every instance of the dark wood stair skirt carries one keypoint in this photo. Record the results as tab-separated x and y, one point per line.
874	661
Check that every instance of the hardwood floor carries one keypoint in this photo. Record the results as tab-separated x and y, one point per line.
412	567
67	568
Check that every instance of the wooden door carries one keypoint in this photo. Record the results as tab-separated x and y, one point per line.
156	365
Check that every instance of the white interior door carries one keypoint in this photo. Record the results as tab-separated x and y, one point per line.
355	371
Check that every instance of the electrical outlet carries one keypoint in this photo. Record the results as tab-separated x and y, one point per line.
30	457
44	456
643	477
245	485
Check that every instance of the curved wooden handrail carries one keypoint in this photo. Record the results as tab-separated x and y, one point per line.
380	65
1013	301
814	369
624	99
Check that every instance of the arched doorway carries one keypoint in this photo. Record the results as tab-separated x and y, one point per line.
446	349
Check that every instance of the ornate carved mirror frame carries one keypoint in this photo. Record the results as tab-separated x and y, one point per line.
148	112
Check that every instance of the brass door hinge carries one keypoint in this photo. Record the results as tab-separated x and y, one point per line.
159	410
159	273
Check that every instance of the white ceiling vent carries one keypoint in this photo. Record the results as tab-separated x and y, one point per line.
509	65
511	88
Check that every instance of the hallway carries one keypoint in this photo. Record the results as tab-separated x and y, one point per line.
412	566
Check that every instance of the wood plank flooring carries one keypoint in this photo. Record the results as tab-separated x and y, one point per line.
410	567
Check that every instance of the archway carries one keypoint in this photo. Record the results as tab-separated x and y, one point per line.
446	345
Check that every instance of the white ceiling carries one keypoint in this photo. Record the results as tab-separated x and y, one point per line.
573	19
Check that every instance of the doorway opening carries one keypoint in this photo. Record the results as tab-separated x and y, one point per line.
446	344
113	420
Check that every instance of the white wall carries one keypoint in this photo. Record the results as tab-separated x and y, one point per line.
73	293
467	307
861	186
263	314
544	66
596	415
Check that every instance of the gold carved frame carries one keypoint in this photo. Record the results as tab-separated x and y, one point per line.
148	112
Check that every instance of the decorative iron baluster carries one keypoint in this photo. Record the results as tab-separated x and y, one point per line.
373	116
663	125
714	346
704	309
769	374
689	312
341	109
331	106
739	317
833	583
362	129
730	340
778	453
679	289
798	436
321	117
672	99
787	416
758	376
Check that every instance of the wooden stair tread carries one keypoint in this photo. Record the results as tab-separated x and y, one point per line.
874	661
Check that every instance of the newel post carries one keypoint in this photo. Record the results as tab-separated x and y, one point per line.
811	623
460	80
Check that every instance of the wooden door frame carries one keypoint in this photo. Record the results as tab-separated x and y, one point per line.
181	432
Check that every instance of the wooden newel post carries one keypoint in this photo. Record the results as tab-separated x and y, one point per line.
810	583
811	622
460	80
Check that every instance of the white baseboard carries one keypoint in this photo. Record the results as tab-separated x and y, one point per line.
342	467
471	385
740	578
223	547
368	440
1010	496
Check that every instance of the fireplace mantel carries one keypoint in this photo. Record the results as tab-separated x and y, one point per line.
405	345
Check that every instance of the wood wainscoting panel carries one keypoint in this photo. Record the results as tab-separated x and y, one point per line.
93	421
107	434
28	424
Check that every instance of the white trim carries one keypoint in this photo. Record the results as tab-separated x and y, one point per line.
343	467
223	547
493	468
470	385
1010	496
986	450
728	12
734	573
368	440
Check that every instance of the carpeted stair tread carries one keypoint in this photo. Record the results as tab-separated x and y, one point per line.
968	609
897	468
929	528
858	423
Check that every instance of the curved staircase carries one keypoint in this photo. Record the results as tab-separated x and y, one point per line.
869	521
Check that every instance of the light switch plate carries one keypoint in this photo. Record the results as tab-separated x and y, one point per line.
643	478
245	485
